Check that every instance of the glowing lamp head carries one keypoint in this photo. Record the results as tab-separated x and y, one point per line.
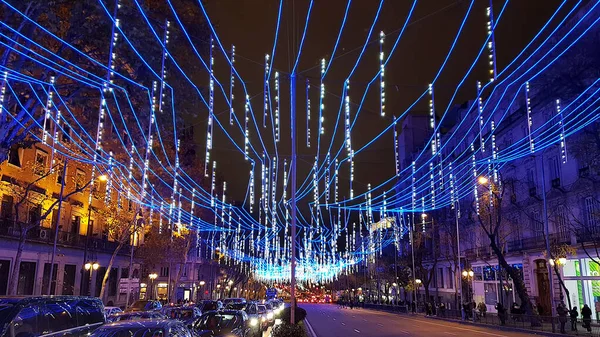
88	266
103	177
471	273
562	260
465	273
95	266
482	180
202	283
418	281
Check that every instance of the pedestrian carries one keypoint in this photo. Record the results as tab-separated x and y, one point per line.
501	313
482	308
428	309
574	314
562	316
351	304
442	311
586	314
414	307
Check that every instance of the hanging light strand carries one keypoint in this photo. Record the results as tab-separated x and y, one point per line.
231	85
561	124
381	75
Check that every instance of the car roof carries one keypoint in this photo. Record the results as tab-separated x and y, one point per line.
143	323
32	299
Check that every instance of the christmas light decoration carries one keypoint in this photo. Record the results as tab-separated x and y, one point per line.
266	90
529	118
209	137
561	138
381	74
307	113
277	128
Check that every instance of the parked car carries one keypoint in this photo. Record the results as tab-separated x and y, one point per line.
143	328
233	300
263	313
136	315
110	311
209	305
185	314
145	305
42	315
226	323
270	313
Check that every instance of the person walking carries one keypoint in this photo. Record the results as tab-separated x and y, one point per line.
482	308
562	316
573	314
501	313
586	314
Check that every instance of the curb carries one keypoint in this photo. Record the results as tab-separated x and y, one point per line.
309	330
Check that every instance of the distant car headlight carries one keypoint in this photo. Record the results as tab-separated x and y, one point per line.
254	322
277	321
270	315
263	318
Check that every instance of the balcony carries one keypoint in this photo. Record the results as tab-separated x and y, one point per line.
9	229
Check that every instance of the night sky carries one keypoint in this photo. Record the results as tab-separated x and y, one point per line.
250	25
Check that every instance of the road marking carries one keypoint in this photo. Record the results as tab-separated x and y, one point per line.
402	331
379	324
334	319
356	330
343	323
364	320
450	333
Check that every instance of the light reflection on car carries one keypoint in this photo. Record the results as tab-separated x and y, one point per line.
143	328
223	323
134	316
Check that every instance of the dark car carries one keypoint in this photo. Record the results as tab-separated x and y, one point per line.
255	319
143	328
185	314
145	305
209	305
226	323
42	315
136	315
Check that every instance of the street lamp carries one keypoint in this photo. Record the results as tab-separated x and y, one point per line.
468	274
482	180
152	277
90	266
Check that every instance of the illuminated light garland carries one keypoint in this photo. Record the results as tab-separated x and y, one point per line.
327	174
231	86
307	113
321	100
109	181
160	217
480	117
213	184
494	153
192	206
423	215
266	91
347	118
432	120
475	178
432	184
55	140
251	188
277	128
351	173
529	118
396	154
246	130
175	180
316	183
3	92
48	111
209	132
381	74
369	203
561	125
413	187
223	201
337	174
274	193
452	192
491	43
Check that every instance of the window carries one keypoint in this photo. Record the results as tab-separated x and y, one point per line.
561	221
61	315
41	162
112	282
28	322
79	179
89	311
68	287
124	272
491	294
450	278
46	279
531	177
536	223
26	278
66	135
554	165
59	173
75	224
7	206
590	212
164	271
35	213
440	278
14	156
185	271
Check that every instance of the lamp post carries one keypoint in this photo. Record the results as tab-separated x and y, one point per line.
91	266
89	229
468	274
202	283
152	277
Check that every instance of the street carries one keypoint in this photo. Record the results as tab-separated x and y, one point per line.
329	320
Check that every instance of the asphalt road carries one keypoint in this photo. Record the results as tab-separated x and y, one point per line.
328	320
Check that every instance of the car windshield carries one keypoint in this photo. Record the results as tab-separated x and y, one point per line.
140	305
128	332
208	306
236	306
5	313
179	313
217	321
268	306
262	308
134	317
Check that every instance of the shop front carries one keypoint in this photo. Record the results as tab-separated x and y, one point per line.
582	280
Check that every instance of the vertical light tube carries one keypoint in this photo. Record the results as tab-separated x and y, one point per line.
529	118
231	85
381	74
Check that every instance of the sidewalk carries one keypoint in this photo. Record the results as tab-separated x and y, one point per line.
515	323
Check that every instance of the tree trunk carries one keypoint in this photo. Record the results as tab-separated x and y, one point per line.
14	276
516	277
562	285
108	268
174	282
